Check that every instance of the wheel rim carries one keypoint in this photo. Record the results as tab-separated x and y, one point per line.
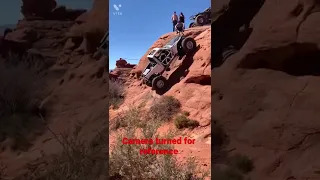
200	20
189	45
160	84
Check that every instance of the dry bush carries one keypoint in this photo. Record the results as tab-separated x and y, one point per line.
183	122
127	163
218	135
80	159
227	174
21	91
241	162
2	171
124	119
237	167
116	93
165	108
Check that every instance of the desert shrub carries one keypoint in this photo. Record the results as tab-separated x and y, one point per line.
126	162
241	162
165	108
183	122
116	93
79	159
185	113
21	92
218	135
226	174
127	117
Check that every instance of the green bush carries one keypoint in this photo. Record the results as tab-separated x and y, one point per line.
184	122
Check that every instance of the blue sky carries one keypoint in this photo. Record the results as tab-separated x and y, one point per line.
10	9
139	23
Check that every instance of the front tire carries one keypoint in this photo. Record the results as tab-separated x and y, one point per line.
200	20
159	83
192	25
189	45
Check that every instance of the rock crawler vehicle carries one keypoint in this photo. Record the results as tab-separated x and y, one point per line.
201	18
161	58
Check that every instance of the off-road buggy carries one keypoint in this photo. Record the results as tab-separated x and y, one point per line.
161	58
201	18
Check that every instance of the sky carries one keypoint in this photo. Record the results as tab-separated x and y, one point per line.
136	24
10	9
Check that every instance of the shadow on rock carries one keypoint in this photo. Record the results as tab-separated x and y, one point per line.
219	140
226	29
297	59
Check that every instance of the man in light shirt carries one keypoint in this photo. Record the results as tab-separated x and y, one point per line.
174	19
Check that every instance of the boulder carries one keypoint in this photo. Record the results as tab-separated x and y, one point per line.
38	8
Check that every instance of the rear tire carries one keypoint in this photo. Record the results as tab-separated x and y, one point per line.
189	45
200	20
159	83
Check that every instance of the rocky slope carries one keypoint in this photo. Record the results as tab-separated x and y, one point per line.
189	78
189	83
265	96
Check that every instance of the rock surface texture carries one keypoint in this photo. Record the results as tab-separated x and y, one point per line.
265	96
63	43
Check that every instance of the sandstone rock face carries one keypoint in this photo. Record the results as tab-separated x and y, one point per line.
265	96
275	40
188	82
202	59
122	71
121	63
42	33
189	78
42	39
91	27
38	8
77	82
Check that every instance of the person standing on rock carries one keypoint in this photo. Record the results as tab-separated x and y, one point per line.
181	19
174	19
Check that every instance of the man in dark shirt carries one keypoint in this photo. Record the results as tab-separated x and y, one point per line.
181	19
